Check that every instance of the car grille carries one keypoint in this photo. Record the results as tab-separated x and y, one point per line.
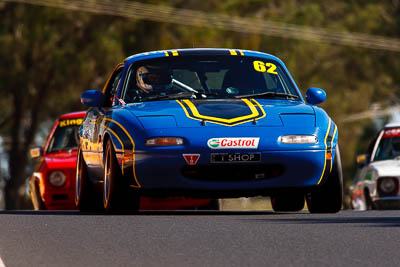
60	197
232	173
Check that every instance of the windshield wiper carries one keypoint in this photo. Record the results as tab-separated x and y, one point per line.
269	95
184	86
172	96
180	95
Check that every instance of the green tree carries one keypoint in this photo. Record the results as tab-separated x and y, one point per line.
49	56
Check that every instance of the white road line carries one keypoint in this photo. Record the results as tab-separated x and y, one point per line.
2	263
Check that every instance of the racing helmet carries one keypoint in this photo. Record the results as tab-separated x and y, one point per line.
153	78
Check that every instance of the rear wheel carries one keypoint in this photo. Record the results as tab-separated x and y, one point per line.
86	197
328	198
288	202
118	196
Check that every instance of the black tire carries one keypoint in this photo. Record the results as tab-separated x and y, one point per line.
369	204
328	197
287	202
37	201
86	197
117	195
214	205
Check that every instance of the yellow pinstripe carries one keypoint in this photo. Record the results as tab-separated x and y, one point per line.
122	144
222	121
133	150
326	147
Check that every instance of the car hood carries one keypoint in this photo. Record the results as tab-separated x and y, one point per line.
222	112
61	160
387	167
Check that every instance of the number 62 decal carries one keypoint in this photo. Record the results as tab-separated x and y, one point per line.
264	67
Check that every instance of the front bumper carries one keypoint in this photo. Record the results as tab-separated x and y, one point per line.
163	170
392	202
62	199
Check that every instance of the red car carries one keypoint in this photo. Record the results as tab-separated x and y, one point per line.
52	184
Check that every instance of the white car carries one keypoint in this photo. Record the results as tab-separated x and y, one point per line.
376	184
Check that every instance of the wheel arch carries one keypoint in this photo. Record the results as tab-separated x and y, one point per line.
106	137
366	191
37	182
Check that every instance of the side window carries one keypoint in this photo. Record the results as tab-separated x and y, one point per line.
112	87
129	93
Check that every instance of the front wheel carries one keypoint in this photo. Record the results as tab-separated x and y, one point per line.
86	197
370	205
328	198
213	205
117	194
288	202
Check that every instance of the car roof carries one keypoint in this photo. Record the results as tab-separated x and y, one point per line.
199	51
392	125
71	115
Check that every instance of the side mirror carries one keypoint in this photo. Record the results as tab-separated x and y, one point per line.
35	152
362	159
315	96
92	98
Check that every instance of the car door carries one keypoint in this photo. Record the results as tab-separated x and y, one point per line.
92	124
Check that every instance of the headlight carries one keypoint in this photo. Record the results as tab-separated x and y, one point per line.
298	139
387	186
57	178
164	141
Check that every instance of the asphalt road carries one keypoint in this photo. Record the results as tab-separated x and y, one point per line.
226	238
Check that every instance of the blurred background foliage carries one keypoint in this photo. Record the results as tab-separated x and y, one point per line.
49	56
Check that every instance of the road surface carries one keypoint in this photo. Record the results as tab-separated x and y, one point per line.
184	238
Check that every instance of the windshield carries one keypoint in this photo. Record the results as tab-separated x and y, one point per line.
389	146
207	77
65	136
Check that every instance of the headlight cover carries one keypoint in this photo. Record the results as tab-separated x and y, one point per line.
57	178
388	186
298	139
164	141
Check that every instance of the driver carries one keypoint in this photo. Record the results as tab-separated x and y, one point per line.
395	147
153	79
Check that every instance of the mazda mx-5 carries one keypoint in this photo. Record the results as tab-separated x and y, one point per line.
207	123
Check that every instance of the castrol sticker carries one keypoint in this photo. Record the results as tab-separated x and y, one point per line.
233	142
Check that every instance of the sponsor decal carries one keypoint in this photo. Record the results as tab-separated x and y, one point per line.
233	142
191	159
235	157
69	122
391	133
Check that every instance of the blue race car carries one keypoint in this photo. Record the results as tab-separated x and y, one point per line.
206	123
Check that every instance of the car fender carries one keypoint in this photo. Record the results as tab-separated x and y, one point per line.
328	130
126	135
